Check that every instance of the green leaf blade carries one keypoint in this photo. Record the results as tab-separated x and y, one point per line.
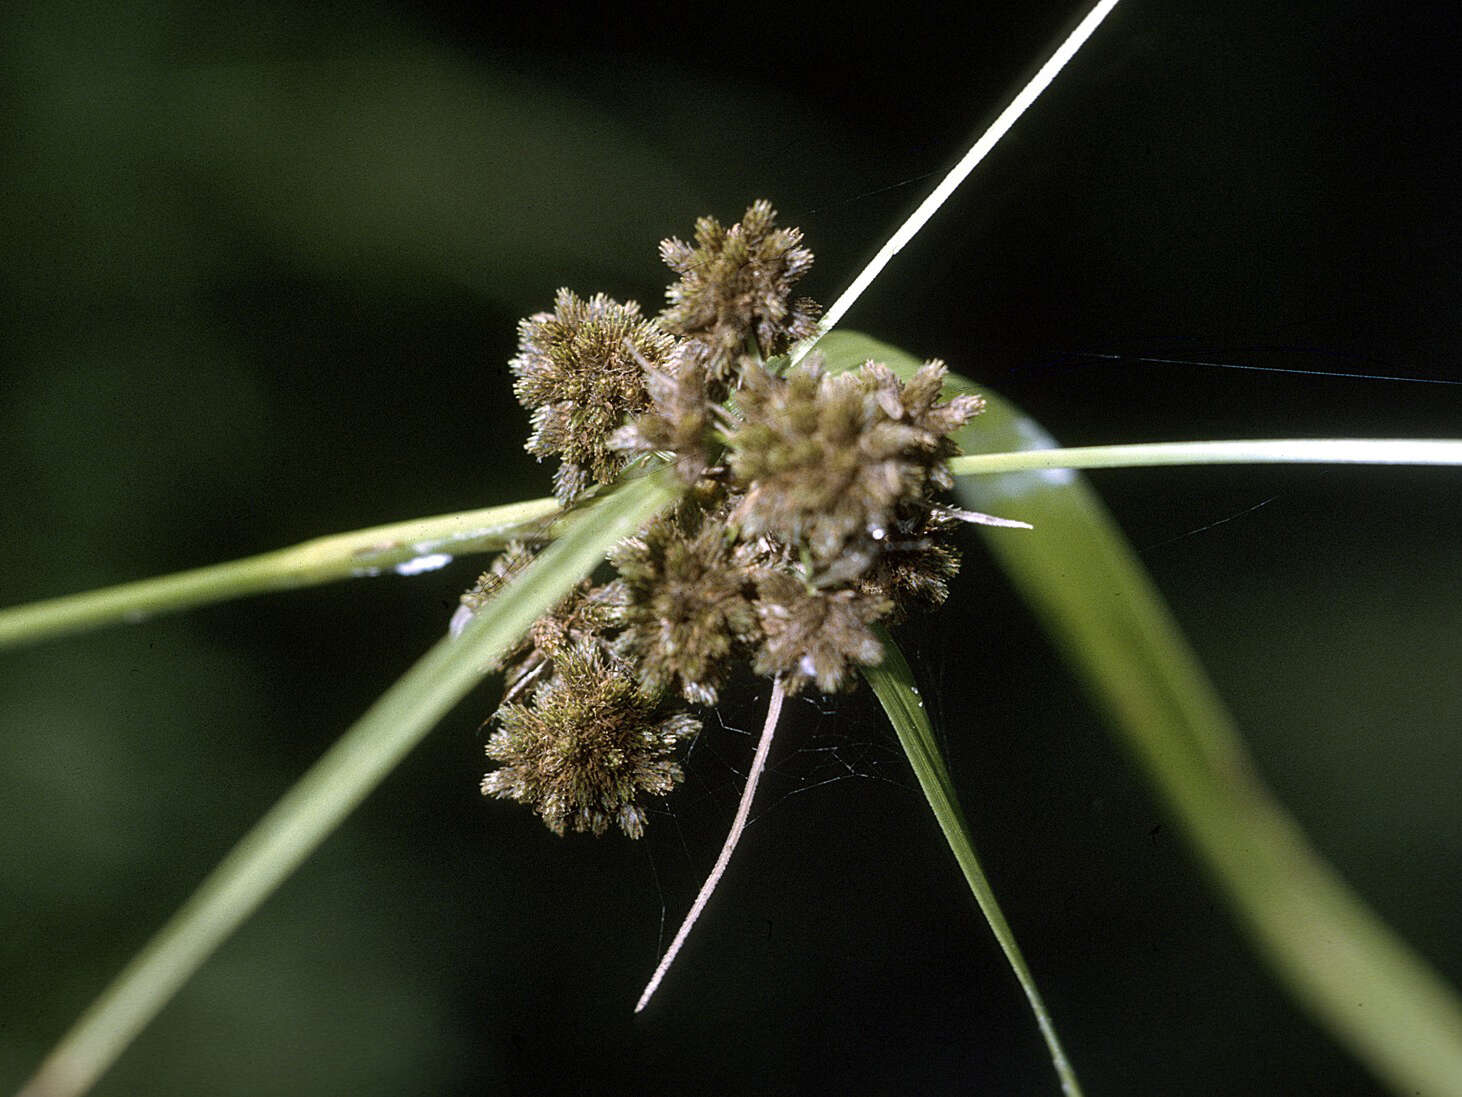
893	684
362	552
1337	958
306	814
1258	451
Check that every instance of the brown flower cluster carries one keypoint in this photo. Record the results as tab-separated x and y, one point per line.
811	516
581	369
735	284
828	460
588	747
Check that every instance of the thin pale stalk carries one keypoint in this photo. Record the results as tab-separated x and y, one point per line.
1327	451
333	787
401	547
957	175
738	824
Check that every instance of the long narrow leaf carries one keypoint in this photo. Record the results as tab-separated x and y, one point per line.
1341	962
972	158
335	785
893	683
1259	451
400	546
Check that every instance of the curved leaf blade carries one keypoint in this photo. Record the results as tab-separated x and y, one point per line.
1317	935
893	684
320	800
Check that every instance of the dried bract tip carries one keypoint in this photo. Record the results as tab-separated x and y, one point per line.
581	371
735	284
588	748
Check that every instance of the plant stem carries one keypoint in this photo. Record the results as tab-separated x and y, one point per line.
332	788
1354	451
957	175
361	552
738	824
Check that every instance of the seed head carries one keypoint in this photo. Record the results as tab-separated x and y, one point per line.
736	283
829	461
916	403
809	515
588	747
678	419
688	605
915	563
504	567
585	614
813	635
820	461
580	371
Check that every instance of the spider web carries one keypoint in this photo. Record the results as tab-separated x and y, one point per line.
821	741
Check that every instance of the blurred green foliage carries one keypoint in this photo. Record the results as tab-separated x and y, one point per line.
261	274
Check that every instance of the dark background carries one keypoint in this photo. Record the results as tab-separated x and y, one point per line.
262	268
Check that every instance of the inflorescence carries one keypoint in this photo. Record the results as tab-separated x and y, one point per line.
811	515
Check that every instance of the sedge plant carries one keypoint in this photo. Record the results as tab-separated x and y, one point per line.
771	489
